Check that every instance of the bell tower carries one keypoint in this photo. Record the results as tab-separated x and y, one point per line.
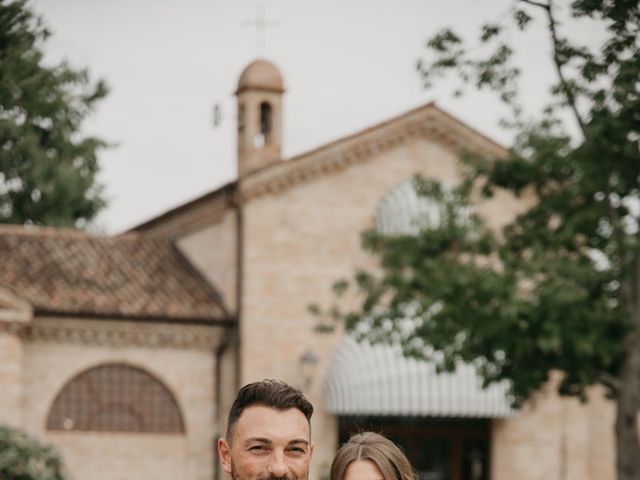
259	128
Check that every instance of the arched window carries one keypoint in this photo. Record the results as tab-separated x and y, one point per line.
115	398
403	211
265	122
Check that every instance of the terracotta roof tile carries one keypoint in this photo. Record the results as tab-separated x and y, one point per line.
61	271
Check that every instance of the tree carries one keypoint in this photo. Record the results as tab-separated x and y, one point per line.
559	287
23	458
47	168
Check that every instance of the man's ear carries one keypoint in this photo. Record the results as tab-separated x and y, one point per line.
224	453
311	445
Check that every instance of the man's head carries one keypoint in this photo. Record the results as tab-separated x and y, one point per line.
268	433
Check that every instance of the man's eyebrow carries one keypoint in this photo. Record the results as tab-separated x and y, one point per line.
269	441
258	439
299	440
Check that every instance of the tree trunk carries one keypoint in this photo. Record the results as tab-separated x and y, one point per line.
628	403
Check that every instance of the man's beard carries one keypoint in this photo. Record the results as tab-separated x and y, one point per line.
266	476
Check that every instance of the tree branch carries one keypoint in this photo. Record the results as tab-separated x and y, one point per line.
609	381
537	4
571	100
556	60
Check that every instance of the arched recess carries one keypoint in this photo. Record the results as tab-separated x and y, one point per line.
404	211
115	397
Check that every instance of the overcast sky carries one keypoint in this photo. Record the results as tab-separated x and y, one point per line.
346	64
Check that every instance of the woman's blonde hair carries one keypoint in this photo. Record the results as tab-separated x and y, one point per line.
392	463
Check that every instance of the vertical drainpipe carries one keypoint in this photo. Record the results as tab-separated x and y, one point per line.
219	352
231	340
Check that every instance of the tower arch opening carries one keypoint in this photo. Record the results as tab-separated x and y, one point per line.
266	122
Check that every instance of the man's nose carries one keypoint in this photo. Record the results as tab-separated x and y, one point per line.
277	465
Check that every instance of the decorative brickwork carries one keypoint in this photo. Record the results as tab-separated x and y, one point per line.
119	334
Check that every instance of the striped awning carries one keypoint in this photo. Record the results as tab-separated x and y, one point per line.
366	379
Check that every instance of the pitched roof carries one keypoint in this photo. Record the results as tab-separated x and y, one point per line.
68	272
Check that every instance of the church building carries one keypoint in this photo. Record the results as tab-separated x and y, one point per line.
125	352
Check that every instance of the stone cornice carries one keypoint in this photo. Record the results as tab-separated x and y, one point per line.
121	334
12	327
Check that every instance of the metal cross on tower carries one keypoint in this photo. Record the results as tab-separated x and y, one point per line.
261	24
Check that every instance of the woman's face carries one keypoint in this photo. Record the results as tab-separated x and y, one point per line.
363	470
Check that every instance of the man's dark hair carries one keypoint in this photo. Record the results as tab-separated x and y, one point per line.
270	393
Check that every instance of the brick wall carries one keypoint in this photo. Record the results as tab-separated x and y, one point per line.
187	372
298	243
11	361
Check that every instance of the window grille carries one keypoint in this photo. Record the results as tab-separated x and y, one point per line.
115	398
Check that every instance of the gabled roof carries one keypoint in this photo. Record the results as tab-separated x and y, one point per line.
201	209
426	121
63	272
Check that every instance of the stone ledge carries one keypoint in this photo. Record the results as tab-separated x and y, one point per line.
114	333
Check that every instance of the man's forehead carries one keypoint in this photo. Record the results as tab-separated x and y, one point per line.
260	421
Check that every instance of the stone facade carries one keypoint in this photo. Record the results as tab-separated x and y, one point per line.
270	244
14	315
11	360
301	221
556	438
299	241
299	230
301	225
50	352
